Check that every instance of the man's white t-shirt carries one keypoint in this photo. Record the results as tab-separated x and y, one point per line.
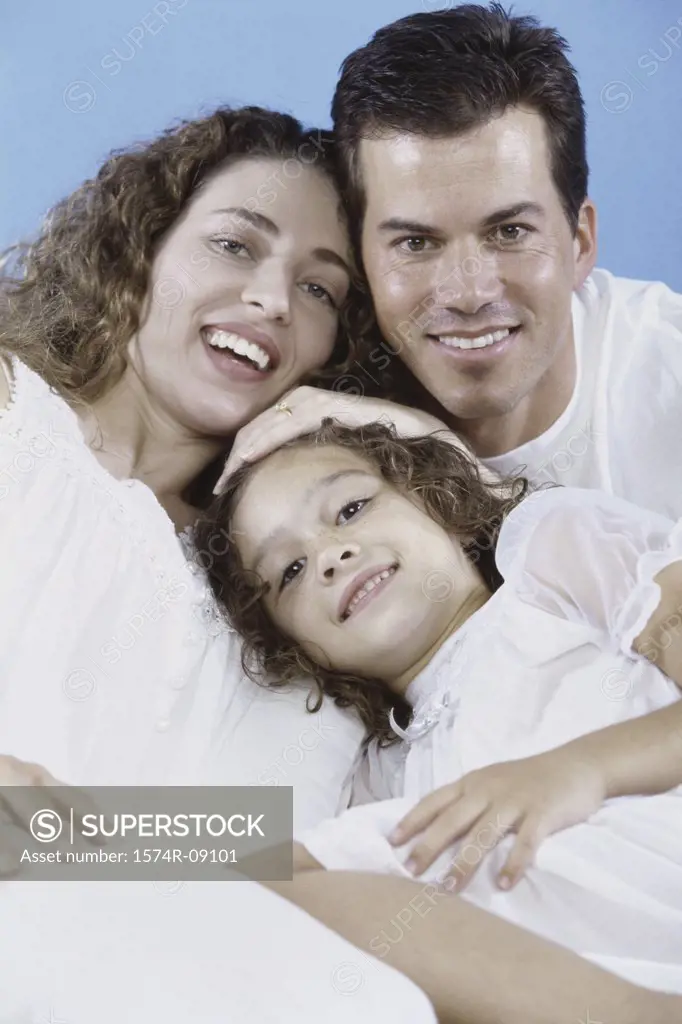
622	429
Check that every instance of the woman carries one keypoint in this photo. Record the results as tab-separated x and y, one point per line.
167	302
118	392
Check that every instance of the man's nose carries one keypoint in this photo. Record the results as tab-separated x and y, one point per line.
270	291
470	281
334	558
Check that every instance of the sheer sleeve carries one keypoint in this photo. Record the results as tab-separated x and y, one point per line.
588	557
358	839
379	774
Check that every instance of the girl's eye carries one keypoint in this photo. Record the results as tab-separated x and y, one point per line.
290	573
512	232
350	510
233	246
318	292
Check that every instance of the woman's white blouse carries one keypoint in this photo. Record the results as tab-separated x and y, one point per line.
115	665
547	659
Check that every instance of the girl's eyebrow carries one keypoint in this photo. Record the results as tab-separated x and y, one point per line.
281	531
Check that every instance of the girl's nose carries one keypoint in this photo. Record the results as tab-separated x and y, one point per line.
335	557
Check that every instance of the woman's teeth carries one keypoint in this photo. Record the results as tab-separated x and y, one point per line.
482	342
240	346
366	588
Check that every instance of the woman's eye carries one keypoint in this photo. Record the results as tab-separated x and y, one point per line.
350	510
291	572
319	292
232	245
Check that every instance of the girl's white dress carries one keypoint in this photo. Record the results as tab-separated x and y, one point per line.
116	670
547	659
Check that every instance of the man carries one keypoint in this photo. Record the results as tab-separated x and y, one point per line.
462	140
462	137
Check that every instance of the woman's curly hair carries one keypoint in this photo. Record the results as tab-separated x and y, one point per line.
71	300
445	479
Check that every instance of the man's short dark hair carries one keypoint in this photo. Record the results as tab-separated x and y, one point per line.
444	73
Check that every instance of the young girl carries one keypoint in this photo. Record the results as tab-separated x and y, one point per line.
376	565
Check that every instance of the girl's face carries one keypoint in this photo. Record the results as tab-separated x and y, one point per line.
359	575
244	295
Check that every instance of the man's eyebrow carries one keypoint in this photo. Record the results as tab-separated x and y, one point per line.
262	223
416	227
322	484
511	212
413	227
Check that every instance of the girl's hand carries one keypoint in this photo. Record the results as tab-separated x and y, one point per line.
307	407
533	797
25	790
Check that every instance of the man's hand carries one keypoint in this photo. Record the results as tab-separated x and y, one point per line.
308	407
532	797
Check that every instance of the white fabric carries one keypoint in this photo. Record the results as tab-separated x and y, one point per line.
208	953
579	570
621	430
116	669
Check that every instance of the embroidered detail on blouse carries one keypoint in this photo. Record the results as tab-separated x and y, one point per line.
424	721
435	690
8	371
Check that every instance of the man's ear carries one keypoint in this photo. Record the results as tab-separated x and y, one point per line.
585	243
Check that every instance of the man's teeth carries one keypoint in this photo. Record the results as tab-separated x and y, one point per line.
366	589
485	339
240	346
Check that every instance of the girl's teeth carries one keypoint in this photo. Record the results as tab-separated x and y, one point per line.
367	588
240	346
482	342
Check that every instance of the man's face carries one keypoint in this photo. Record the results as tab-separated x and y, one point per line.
472	264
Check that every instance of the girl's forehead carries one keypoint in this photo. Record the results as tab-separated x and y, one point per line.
291	474
306	463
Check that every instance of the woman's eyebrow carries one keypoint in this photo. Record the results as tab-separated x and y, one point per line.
257	220
262	223
329	256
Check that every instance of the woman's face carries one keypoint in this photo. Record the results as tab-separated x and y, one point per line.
244	295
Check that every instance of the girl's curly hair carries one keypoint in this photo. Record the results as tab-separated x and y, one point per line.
445	479
71	300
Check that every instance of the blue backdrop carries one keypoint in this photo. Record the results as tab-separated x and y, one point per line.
78	79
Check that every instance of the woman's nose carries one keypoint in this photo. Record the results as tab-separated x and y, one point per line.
334	558
270	292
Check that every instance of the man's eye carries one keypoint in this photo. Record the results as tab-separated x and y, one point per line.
413	244
350	510
512	232
291	572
